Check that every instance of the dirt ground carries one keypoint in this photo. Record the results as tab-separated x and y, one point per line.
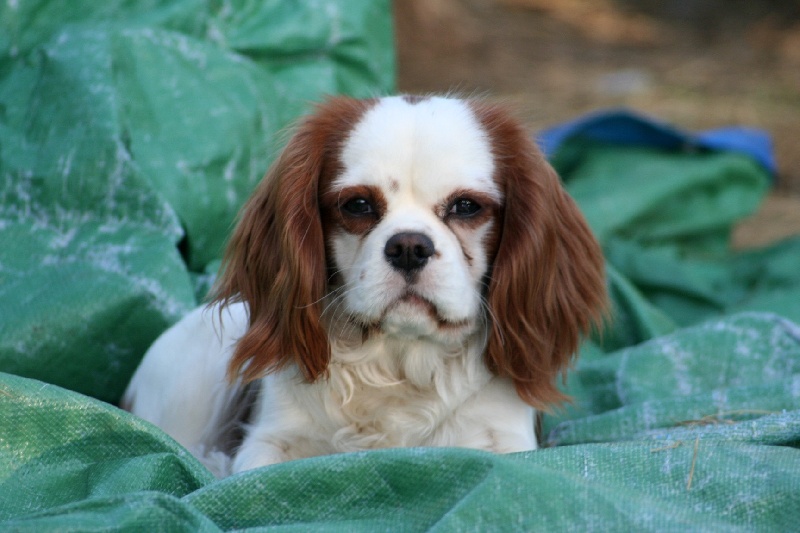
694	63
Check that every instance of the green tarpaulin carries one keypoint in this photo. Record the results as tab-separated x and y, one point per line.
130	135
131	132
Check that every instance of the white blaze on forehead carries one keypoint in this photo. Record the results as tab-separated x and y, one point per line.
428	149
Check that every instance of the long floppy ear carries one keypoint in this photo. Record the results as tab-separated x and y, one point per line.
275	259
547	286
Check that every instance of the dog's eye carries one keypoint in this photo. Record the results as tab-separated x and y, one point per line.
358	207
464	207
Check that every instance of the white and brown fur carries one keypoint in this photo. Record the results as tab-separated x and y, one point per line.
410	272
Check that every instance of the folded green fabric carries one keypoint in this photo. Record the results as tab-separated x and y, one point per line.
709	378
664	218
130	135
69	463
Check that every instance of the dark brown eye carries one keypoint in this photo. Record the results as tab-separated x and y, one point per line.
464	207
358	207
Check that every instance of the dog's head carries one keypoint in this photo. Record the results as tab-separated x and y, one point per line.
420	219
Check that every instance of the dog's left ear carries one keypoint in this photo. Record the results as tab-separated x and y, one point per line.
547	287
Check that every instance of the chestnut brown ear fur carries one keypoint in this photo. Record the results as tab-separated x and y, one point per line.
275	259
547	285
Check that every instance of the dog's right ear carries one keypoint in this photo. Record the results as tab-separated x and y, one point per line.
275	260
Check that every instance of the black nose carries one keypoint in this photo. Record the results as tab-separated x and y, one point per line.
408	251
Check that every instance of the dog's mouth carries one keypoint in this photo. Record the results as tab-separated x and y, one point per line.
415	309
418	304
414	299
411	316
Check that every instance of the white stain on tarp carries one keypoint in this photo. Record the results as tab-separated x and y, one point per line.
723	398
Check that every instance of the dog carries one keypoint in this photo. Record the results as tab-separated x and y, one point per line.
410	272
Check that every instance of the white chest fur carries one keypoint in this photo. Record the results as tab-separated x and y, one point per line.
388	394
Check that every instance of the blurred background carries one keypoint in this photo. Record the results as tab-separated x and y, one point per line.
694	63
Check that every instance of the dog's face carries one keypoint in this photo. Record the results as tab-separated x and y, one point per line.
421	219
411	220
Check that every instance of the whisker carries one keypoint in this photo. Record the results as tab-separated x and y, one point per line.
340	270
493	320
318	300
340	310
338	297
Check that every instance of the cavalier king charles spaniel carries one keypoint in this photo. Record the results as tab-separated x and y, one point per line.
410	272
